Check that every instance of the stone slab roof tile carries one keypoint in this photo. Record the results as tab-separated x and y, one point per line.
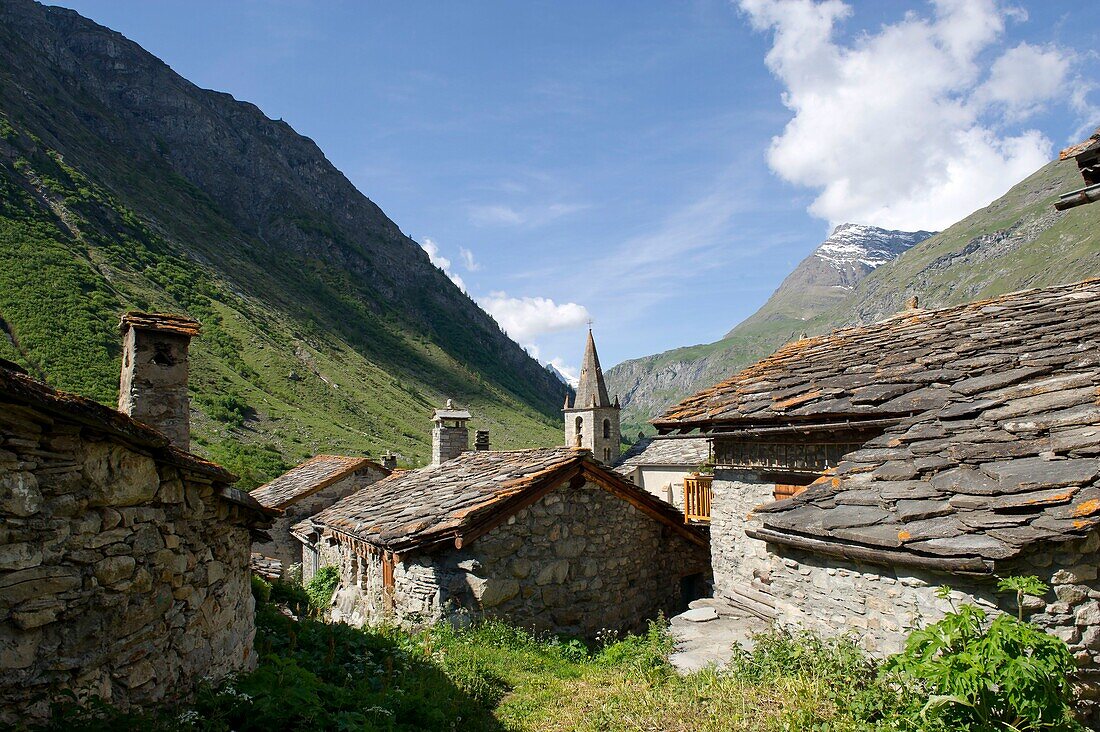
313	475
913	362
456	500
1008	459
691	452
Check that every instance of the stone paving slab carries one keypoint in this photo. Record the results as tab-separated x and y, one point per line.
710	643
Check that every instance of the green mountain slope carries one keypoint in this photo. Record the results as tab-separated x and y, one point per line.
124	186
1016	242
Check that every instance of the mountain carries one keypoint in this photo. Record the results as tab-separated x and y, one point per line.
325	328
1016	242
828	274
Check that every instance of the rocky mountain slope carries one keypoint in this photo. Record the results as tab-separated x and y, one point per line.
123	185
1018	241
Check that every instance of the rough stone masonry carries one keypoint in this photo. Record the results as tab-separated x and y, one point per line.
123	560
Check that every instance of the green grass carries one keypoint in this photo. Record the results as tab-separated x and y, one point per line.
296	357
957	674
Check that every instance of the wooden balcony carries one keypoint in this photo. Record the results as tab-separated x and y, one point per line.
697	498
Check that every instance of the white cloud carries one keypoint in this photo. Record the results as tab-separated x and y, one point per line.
525	318
468	260
905	127
529	216
1025	76
442	262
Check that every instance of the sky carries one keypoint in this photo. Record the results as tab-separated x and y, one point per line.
654	167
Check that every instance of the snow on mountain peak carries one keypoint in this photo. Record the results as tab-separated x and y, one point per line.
868	245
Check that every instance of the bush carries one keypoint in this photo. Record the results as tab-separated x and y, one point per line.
321	586
1004	674
261	589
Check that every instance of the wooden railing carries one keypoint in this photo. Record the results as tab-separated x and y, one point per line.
697	498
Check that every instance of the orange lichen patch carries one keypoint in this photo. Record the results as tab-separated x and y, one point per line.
904	536
1074	150
1087	508
804	366
796	400
1048	500
1086	523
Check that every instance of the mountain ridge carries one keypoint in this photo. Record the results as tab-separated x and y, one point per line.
1018	241
127	183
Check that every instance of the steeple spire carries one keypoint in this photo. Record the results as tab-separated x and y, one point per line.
591	389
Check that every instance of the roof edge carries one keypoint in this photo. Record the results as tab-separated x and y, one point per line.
874	555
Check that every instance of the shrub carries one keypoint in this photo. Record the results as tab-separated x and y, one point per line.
261	589
1004	674
321	586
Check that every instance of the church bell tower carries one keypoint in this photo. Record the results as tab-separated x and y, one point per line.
593	420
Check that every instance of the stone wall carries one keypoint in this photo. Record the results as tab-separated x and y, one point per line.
574	562
120	575
448	443
737	560
881	604
287	549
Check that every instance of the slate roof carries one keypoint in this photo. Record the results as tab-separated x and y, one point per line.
692	452
313	475
461	499
899	366
18	388
1073	151
1003	454
161	322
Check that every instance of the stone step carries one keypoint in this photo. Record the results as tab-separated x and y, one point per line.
750	604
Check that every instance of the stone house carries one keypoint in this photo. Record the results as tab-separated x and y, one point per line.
949	446
546	538
123	557
660	466
300	493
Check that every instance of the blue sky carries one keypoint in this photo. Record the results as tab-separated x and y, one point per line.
658	167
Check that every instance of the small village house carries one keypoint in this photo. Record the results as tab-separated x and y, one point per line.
662	466
949	446
300	493
123	557
545	538
550	539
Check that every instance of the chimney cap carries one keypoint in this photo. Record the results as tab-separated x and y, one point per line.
450	412
160	322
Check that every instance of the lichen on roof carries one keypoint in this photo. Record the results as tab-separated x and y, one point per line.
457	498
1000	449
893	368
313	475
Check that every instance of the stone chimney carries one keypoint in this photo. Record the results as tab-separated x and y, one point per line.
389	461
450	437
481	440
912	303
153	385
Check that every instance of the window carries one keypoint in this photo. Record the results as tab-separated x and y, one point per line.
607	429
607	454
